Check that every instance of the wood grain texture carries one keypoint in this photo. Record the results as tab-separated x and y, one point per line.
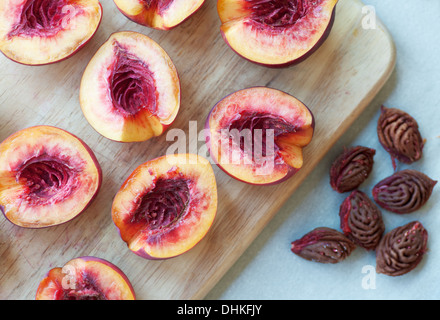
337	82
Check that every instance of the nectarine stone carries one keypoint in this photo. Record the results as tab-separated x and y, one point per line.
47	176
130	90
166	206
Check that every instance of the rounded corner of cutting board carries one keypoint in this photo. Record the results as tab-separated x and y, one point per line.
387	44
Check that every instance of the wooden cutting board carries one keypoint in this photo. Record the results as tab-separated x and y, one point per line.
337	83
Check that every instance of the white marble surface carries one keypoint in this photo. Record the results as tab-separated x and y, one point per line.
268	269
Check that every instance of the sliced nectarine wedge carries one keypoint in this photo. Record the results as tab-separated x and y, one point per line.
166	206
256	135
130	90
275	33
85	278
158	14
36	32
47	176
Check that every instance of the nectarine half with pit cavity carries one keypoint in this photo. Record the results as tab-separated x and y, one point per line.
85	278
37	32
47	177
276	33
158	14
166	206
130	90
257	135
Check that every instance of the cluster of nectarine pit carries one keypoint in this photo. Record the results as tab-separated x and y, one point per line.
400	250
256	135
85	278
36	32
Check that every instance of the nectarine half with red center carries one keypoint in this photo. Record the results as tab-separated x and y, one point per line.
37	32
166	206
47	176
158	14
85	278
130	90
256	135
275	33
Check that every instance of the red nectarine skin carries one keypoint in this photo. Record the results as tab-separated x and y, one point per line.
252	110
275	33
47	177
130	90
86	278
37	32
158	14
166	206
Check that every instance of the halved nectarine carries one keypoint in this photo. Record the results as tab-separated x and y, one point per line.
276	33
36	32
158	14
130	90
256	135
85	278
47	176
166	206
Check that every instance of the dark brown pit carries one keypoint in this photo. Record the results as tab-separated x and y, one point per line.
46	179
279	13
248	124
163	206
41	17
132	85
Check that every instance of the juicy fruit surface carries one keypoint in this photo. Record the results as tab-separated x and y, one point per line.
86	278
131	84
130	91
166	206
279	13
45	31
40	17
275	32
47	177
158	14
256	135
47	180
255	121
